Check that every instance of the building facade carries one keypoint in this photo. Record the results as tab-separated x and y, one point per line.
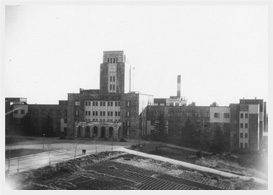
243	125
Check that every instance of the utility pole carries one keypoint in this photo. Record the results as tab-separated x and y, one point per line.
130	79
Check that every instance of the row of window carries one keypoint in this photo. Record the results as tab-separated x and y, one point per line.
103	120
102	103
217	115
101	113
242	115
242	125
242	135
112	60
112	78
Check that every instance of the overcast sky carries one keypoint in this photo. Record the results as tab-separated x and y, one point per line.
220	51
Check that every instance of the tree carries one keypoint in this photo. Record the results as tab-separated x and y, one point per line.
27	126
218	142
48	126
187	133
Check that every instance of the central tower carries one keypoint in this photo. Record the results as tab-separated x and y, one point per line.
112	72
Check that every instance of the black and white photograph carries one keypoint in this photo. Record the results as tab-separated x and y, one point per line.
135	95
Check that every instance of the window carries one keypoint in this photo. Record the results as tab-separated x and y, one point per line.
128	114
216	115
94	103
110	87
226	115
89	113
242	115
246	115
97	113
111	113
116	103
77	103
103	113
246	135
110	78
241	145
100	103
242	125
128	103
94	113
246	125
114	78
241	135
76	112
86	103
89	103
245	145
119	113
22	111
86	113
116	113
100	113
113	87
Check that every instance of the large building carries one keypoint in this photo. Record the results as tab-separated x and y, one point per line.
110	113
107	113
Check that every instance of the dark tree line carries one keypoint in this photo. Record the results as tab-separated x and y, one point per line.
160	129
29	126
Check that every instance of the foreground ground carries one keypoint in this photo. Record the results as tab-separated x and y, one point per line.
121	171
246	165
60	164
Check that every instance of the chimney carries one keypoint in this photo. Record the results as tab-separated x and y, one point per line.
178	86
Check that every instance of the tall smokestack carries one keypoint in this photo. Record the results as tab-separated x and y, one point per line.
179	86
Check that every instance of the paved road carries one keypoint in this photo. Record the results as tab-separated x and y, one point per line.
57	152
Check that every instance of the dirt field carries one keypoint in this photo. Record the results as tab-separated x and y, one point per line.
121	171
253	165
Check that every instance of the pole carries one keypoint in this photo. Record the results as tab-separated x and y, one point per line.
96	144
9	162
75	148
130	79
43	142
18	164
112	144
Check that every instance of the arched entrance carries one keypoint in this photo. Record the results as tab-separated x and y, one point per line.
79	131
95	131
102	135
111	132
87	131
